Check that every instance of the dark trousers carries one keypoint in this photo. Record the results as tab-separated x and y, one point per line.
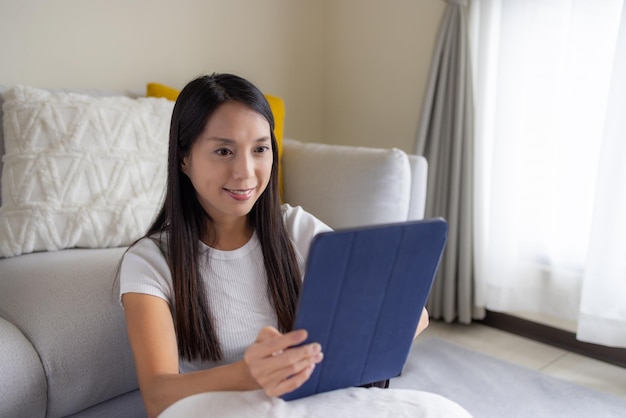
383	384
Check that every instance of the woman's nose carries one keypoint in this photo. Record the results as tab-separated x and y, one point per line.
243	166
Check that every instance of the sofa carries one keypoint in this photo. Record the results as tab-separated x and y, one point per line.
63	344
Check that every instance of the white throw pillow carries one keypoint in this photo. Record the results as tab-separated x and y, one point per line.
347	186
80	171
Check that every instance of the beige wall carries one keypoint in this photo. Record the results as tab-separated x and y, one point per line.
378	59
350	71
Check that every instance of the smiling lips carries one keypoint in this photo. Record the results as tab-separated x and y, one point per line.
244	194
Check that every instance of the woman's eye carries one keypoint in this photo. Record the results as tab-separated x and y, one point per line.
223	152
262	148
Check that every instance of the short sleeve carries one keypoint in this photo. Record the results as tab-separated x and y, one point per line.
144	270
302	227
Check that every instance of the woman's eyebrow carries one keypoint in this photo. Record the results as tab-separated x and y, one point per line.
220	139
232	141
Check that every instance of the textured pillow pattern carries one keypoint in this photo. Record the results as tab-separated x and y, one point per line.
80	171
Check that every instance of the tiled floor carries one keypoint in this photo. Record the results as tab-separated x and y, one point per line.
528	353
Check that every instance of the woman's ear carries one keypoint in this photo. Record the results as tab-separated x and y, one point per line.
184	165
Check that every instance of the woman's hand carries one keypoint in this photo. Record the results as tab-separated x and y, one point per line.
423	323
276	365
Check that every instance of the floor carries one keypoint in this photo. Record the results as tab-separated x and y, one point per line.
528	353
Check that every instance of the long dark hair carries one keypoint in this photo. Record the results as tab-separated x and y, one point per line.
185	221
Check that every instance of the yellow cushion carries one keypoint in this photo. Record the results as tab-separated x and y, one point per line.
161	90
276	104
278	109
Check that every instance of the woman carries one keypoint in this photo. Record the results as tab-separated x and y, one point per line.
210	292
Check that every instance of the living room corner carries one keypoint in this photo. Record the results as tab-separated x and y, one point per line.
81	133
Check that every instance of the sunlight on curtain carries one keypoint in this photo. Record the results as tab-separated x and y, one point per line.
542	74
603	307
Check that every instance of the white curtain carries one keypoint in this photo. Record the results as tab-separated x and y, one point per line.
550	179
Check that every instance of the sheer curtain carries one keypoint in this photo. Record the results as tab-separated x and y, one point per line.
550	189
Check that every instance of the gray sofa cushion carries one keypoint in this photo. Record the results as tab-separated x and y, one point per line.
129	405
23	382
2	90
67	304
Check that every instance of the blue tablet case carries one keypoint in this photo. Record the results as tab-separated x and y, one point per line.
362	296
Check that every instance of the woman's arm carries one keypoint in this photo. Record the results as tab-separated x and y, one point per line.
277	368
423	323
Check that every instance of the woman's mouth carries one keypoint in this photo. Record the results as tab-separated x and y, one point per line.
240	194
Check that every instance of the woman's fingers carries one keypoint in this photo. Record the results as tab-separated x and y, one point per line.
270	340
292	383
289	369
276	365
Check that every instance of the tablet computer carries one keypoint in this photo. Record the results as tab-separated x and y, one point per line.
362	296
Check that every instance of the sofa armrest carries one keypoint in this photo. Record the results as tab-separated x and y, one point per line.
66	303
347	186
22	381
419	177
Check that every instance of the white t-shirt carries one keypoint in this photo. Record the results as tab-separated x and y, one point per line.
236	283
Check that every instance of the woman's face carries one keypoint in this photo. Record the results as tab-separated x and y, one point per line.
230	163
